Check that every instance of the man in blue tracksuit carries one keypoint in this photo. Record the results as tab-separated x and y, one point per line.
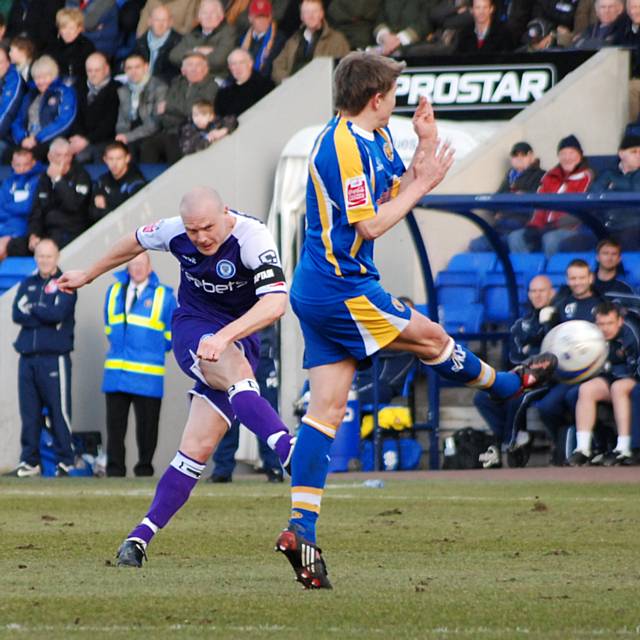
137	318
46	318
17	194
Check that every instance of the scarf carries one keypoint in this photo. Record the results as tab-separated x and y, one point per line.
155	43
265	45
95	89
136	89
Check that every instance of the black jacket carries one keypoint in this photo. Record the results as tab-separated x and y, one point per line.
61	210
97	121
115	192
163	67
234	99
622	361
71	59
527	334
558	12
193	139
497	40
45	316
527	182
36	18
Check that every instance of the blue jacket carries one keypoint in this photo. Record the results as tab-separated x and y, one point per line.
46	316
138	340
622	361
12	89
16	200
100	24
57	112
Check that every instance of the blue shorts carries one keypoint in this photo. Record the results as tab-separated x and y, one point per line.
355	327
187	330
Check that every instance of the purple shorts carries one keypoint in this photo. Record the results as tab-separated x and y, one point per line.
187	330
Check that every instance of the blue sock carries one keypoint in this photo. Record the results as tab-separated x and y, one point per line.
309	469
458	364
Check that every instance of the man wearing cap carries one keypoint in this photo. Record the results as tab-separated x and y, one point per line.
523	177
538	36
623	223
262	40
548	229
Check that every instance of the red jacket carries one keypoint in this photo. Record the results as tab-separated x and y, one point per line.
557	181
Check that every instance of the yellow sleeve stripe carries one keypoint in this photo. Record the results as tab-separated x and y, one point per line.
358	200
325	210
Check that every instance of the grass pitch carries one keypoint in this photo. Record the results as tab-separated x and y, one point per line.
416	559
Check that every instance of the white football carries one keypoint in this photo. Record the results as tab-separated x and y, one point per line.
580	348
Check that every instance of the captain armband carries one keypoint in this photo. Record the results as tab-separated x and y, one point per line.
268	278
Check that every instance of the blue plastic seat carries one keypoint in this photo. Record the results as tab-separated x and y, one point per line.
461	318
559	262
13	270
495	298
480	262
525	266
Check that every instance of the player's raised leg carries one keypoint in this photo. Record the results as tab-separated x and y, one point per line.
204	429
453	361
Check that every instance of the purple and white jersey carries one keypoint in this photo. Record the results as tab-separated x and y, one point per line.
245	267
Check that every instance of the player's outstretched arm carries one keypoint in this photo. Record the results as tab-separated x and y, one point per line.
269	308
122	251
429	170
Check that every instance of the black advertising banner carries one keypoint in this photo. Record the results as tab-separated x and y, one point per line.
488	87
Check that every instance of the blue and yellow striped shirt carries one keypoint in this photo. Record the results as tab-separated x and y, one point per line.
351	172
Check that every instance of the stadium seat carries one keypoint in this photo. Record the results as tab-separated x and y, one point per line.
558	263
461	318
14	270
495	298
480	262
525	266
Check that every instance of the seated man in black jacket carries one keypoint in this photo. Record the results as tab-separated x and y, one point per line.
116	185
487	34
61	205
98	102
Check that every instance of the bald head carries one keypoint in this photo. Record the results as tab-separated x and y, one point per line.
46	255
540	292
160	20
205	218
201	200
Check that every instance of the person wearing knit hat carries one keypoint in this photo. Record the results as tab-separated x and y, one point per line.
548	230
570	142
623	223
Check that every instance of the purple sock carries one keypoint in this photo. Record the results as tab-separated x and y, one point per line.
255	413
172	492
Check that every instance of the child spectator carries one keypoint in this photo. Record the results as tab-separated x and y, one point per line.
16	197
72	48
204	128
21	52
116	185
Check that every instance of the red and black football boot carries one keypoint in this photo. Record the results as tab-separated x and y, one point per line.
305	558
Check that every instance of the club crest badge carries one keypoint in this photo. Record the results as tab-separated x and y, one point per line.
225	269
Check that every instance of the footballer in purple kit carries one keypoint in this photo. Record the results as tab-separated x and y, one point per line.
231	286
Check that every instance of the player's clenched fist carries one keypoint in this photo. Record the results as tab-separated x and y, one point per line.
212	347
